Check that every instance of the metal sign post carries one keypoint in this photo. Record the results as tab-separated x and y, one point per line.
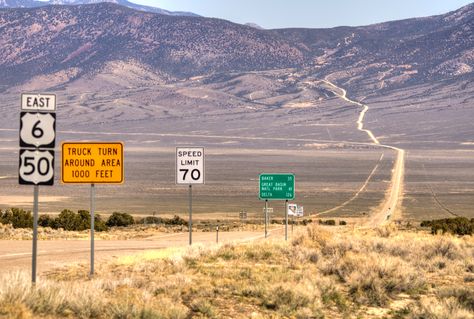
266	218
92	227
292	224
36	155
190	222
286	220
217	234
189	171
35	234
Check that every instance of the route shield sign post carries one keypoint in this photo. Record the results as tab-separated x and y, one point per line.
92	163
36	155
277	187
189	171
294	211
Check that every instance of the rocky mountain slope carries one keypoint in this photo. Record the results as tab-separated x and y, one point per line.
71	41
81	39
125	3
400	52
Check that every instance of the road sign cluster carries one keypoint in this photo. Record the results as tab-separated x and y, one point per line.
37	139
277	187
103	163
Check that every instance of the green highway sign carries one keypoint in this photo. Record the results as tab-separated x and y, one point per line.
277	186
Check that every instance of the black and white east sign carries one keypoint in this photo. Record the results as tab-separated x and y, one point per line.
36	167
32	102
190	165
37	130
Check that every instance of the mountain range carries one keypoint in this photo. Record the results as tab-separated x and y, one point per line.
125	3
73	41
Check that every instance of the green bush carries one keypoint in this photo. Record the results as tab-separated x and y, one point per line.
47	221
426	223
329	222
342	223
79	221
457	226
151	220
68	220
120	220
17	217
176	220
99	223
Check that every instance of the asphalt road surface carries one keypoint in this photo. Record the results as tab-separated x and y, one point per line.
16	254
394	194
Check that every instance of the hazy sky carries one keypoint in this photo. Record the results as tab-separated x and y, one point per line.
309	13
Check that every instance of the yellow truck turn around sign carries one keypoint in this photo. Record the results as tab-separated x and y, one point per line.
92	163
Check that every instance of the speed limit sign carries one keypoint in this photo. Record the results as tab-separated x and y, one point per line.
190	165
37	139
36	167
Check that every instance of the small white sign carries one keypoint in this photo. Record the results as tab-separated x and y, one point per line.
190	165
36	167
292	209
38	102
300	211
37	129
295	210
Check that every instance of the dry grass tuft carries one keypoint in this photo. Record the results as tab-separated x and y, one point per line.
430	307
320	274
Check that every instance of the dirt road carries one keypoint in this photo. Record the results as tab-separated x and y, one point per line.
16	255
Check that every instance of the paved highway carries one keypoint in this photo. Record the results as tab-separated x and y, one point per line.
393	196
16	255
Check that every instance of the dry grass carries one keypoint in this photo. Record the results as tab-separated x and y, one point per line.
7	232
356	274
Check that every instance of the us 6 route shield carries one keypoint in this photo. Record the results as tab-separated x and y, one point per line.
277	186
37	130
